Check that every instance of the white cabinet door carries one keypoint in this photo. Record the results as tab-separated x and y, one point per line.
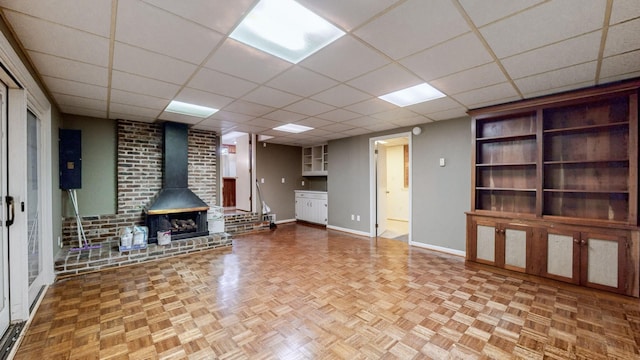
311	206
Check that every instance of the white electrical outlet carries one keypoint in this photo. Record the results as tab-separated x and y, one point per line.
261	180
442	162
283	180
353	217
302	182
358	218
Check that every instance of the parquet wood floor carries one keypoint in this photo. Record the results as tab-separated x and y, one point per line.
301	292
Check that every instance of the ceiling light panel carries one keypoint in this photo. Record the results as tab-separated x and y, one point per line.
413	95
293	128
285	29
183	108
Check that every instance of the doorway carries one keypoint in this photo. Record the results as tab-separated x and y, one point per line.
391	187
237	163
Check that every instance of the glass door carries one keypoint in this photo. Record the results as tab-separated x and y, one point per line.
34	234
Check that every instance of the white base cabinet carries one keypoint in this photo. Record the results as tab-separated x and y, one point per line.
311	206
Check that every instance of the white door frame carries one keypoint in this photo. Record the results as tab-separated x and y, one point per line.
372	180
24	92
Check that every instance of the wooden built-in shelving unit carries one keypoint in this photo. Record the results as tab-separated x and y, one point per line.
555	187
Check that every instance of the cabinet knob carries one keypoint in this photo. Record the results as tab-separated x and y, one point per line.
583	243
577	241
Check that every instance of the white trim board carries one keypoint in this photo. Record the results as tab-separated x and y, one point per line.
439	249
350	231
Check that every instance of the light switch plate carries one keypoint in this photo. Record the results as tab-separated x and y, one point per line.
442	162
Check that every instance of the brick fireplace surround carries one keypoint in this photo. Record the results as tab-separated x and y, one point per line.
139	178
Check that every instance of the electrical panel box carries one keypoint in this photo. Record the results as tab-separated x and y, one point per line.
70	150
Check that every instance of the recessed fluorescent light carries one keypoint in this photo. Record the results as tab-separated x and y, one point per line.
285	29
413	95
183	108
293	128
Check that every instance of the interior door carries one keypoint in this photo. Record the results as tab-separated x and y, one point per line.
243	173
381	181
7	216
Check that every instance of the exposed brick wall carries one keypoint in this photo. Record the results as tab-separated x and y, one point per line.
139	166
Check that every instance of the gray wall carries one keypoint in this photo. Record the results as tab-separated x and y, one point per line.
348	182
440	194
274	162
98	195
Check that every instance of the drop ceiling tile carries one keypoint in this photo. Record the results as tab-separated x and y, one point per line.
370	106
494	94
231	116
340	96
271	97
397	113
300	81
626	76
314	122
69	109
316	133
150	28
249	128
89	16
413	26
411	121
142	85
248	108
344	59
624	10
148	64
309	107
385	80
339	115
284	116
219	83
461	53
53	66
623	38
75	88
265	123
246	62
219	15
481	14
356	132
481	76
337	127
574	51
203	98
382	127
429	107
560	80
60	40
536	28
78	101
185	119
347	14
134	110
448	114
618	65
128	98
211	123
364	121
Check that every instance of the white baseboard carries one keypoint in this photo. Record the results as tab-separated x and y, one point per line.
350	231
439	248
285	221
